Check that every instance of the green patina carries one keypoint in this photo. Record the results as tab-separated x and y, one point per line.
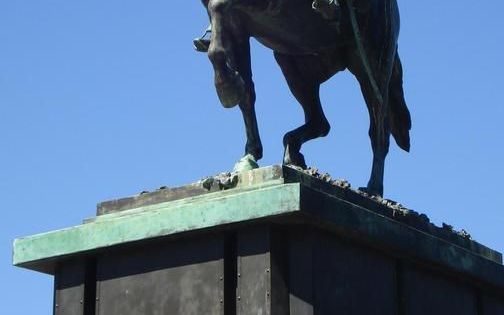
275	196
157	221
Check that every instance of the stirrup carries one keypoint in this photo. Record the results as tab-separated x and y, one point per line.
327	8
202	44
319	3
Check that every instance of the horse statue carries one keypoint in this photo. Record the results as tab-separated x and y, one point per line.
312	41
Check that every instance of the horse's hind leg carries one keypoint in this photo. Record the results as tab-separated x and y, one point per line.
379	133
304	79
379	116
373	68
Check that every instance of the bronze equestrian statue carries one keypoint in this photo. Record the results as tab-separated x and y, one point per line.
312	40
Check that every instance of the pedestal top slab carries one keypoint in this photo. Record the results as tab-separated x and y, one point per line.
279	195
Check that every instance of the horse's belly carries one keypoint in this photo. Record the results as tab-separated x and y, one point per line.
296	30
281	45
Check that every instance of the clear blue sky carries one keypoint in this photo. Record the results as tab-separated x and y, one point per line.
103	99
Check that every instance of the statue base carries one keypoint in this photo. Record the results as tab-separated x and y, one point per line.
274	240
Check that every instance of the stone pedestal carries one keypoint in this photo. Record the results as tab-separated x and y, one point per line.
271	241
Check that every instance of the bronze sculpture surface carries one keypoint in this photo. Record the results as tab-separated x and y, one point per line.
312	40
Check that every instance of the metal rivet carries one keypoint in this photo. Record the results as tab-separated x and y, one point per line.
221	301
239	298
267	270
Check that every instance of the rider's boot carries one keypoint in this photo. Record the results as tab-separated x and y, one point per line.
202	43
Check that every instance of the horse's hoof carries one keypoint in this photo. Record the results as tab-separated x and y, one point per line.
372	191
246	163
231	91
295	159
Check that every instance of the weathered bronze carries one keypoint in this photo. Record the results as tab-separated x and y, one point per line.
312	41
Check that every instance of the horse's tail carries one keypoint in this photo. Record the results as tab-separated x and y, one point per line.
400	119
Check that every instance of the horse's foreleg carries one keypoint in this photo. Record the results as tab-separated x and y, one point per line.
253	148
304	82
228	82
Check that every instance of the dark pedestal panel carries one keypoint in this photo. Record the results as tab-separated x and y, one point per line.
434	294
69	292
269	269
173	277
491	305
